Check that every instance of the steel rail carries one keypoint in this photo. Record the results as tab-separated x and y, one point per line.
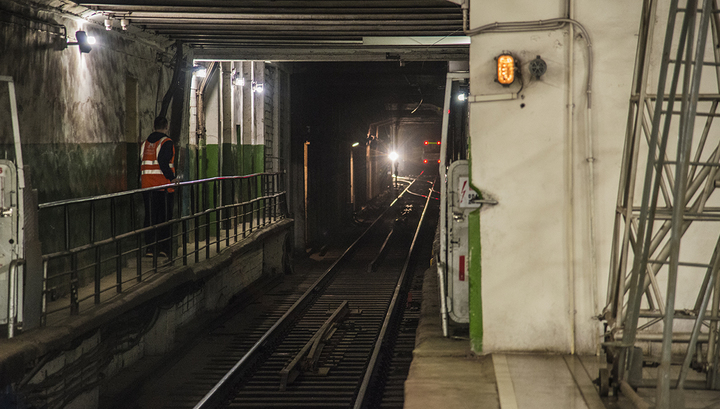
361	400
220	389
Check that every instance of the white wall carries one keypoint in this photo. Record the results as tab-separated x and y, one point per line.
541	283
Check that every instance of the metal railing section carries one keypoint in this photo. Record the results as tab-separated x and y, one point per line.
104	239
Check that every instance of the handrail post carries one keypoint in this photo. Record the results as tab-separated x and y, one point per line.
206	206
218	213
184	225
235	209
74	303
194	205
118	246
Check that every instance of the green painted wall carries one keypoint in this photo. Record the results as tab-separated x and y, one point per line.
475	282
229	161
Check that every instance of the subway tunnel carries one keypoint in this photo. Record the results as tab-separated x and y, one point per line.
425	203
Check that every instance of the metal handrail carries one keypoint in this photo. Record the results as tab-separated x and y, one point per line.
148	189
249	203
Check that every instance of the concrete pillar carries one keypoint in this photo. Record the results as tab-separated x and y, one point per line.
248	112
226	120
259	101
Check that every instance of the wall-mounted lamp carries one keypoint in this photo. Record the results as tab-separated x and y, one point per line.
124	23
462	97
83	41
506	66
257	87
199	71
108	23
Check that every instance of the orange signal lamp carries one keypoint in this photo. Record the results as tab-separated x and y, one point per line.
505	69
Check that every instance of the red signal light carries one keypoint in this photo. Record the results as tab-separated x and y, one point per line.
438	160
425	161
426	142
438	142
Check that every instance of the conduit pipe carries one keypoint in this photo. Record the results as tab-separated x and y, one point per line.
570	186
555	24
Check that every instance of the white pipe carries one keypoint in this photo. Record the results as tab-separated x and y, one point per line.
569	203
442	259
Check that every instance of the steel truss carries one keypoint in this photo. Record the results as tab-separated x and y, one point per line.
653	294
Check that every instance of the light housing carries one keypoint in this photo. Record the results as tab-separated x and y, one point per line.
83	41
505	69
124	23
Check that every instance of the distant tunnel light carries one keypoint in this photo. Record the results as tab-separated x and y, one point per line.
356	144
505	69
393	156
91	40
462	97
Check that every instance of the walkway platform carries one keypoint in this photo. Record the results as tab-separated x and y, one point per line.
445	374
160	277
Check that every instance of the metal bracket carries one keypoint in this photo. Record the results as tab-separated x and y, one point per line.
309	355
484	201
493	97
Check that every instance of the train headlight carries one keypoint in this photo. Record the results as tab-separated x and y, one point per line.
393	156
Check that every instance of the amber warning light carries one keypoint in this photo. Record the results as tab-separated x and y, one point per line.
505	69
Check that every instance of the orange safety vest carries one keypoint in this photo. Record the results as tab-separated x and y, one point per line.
150	173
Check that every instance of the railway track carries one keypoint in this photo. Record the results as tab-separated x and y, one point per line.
333	347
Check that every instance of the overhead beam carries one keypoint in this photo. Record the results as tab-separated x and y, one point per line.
347	53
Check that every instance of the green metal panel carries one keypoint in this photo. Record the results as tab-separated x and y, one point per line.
475	281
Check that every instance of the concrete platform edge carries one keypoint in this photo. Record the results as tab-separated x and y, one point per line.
17	352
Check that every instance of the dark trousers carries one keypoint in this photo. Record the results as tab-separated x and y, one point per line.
158	209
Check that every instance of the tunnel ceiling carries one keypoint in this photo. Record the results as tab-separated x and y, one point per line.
317	30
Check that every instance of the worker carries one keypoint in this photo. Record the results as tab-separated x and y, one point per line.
157	168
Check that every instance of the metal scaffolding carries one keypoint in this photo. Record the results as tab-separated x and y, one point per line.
663	289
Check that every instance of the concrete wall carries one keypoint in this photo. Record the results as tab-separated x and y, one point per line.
75	367
81	115
546	245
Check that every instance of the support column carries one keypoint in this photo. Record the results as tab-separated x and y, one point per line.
226	165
